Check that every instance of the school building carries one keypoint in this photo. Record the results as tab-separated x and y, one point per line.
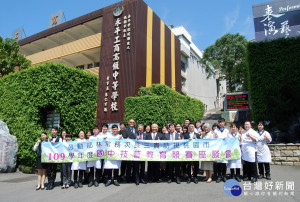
127	46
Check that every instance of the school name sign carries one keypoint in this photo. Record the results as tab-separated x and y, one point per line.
141	150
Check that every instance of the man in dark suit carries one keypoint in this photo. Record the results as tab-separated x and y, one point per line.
192	135
130	133
140	165
154	166
171	165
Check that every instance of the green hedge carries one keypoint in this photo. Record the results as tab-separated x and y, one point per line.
274	80
159	104
25	96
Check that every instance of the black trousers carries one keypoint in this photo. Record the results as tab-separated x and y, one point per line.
262	167
195	169
153	170
123	168
109	173
130	170
237	171
250	169
172	165
67	173
221	169
81	173
139	168
92	175
51	172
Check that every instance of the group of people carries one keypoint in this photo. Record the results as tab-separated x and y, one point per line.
254	150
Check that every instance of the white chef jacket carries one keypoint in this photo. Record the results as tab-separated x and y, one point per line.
248	146
263	151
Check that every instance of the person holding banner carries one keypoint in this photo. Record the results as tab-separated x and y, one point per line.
96	164
123	163
171	165
52	166
235	164
249	139
263	151
221	168
153	166
79	166
112	166
207	166
192	135
140	165
41	167
66	167
130	133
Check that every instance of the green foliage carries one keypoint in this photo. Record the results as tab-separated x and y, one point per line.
274	72
159	104
227	56
10	56
26	95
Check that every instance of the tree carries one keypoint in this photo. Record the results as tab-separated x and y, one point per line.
227	56
10	56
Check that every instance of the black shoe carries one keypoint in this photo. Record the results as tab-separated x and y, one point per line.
75	185
116	182
51	186
90	184
238	178
42	188
96	184
48	187
188	180
137	182
108	183
37	188
268	177
178	180
143	181
218	180
195	180
253	180
80	185
159	180
224	179
260	176
169	181
245	179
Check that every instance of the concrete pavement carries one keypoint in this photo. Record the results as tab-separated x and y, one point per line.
21	187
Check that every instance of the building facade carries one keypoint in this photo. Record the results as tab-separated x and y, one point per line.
194	79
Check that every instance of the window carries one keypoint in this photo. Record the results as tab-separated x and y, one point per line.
182	64
89	66
97	64
52	119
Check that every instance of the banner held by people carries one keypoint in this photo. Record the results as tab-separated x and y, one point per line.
141	150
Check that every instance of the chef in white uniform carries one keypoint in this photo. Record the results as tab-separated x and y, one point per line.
112	166
79	166
249	138
235	164
222	133
96	164
263	151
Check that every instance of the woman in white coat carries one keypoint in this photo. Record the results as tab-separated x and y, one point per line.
207	165
263	152
79	166
235	164
112	165
249	138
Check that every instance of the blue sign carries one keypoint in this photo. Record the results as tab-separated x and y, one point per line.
276	19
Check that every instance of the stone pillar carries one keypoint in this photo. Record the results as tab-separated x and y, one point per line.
8	149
